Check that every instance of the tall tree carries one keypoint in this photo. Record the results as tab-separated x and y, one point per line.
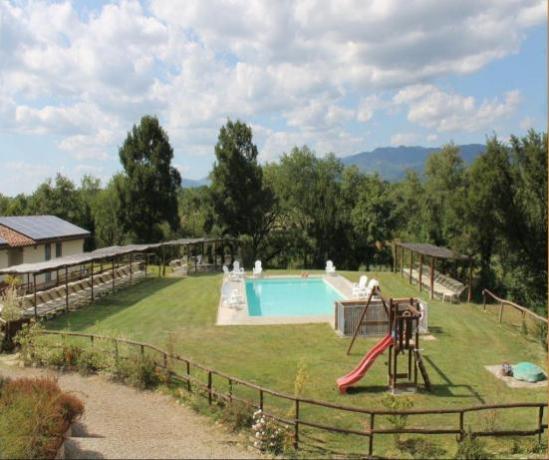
149	193
242	202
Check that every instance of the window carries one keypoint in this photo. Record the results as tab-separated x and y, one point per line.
58	249
48	251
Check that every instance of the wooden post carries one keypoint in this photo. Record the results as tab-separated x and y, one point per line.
394	256
296	425
214	256
131	267
461	426
66	288
540	423
484	298
209	387
188	376
500	312
432	278
411	265
362	316
35	300
420	272
470	291
261	399
113	276
401	261
371	437
92	270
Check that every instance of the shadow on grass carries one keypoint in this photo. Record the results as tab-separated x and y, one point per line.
110	305
446	389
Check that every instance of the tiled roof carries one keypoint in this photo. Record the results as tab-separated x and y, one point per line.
13	238
40	228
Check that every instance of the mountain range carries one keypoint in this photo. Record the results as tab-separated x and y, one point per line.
390	163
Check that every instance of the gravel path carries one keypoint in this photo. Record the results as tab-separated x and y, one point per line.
122	422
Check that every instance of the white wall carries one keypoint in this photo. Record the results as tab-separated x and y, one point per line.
3	261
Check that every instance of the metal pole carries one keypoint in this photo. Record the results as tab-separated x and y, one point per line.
35	305
67	288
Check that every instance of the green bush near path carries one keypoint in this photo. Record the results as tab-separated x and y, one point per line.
180	314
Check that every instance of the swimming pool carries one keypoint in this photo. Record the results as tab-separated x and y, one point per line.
290	297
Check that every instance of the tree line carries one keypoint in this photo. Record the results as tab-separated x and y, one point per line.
305	208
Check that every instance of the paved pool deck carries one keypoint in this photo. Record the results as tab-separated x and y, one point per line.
238	315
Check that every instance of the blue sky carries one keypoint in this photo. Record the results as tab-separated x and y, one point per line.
341	76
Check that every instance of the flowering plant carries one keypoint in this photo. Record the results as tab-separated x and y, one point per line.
268	436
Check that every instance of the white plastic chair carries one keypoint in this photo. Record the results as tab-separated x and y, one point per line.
330	268
359	289
258	269
235	299
372	284
238	271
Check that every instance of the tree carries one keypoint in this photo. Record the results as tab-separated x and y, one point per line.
445	197
107	211
148	195
487	199
242	203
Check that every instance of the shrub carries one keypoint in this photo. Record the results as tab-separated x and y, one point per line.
91	361
471	448
397	403
137	371
34	414
237	415
422	448
269	437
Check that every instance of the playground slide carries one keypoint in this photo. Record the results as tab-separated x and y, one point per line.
354	376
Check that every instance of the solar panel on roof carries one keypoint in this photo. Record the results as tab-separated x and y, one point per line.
42	227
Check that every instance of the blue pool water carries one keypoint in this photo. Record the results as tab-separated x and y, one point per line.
290	297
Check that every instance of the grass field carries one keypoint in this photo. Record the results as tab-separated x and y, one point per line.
466	339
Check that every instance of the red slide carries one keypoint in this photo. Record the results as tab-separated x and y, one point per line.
355	375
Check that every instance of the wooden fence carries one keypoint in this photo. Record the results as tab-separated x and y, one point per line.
517	315
190	380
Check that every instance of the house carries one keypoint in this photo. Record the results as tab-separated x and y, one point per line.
30	239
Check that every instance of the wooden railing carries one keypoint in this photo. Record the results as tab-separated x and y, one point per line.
488	295
297	421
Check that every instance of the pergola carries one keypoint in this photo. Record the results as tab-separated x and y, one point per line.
433	254
112	255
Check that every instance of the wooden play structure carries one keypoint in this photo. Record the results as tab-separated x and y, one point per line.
401	341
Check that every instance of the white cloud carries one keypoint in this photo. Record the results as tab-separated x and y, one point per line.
86	75
433	108
404	138
527	123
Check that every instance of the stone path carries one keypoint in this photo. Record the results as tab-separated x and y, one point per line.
122	422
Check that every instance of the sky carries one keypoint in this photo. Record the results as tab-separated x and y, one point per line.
340	76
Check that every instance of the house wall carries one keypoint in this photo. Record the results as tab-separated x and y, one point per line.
33	254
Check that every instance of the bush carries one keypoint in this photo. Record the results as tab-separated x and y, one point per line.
471	448
237	415
34	414
137	371
397	403
269	437
422	448
91	361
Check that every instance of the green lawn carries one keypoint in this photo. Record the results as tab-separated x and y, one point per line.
467	339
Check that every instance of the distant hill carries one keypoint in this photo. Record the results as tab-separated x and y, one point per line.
192	183
392	162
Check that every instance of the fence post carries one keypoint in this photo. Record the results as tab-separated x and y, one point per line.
230	390
371	438
188	376
296	425
116	350
91	340
209	387
261	400
461	426
142	351
500	312
166	360
484	296
540	423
